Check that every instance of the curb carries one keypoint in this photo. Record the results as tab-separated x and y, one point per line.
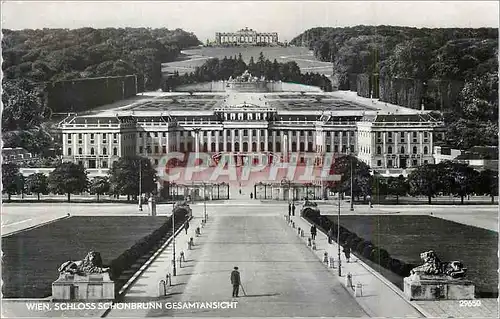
143	268
36	226
386	282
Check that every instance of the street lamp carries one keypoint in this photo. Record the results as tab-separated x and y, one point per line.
338	238
205	201
352	199
140	184
174	269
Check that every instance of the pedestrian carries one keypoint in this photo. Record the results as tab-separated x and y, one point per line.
186	227
293	209
251	195
330	235
235	281
347	252
289	209
313	232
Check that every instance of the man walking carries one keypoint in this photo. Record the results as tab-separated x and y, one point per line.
313	232
186	227
235	281
293	209
347	252
289	209
330	235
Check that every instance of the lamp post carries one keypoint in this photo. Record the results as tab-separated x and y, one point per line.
338	238
174	270
140	184
352	199
205	200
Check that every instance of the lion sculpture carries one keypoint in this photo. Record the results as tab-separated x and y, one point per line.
92	264
433	266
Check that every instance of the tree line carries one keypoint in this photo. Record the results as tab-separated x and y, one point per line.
430	180
222	69
49	55
70	178
466	56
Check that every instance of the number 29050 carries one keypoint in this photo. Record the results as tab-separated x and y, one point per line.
470	303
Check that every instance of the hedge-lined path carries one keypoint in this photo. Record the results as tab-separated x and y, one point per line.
279	273
381	298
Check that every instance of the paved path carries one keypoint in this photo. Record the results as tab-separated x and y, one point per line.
279	273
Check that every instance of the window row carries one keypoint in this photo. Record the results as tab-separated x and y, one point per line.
92	151
402	150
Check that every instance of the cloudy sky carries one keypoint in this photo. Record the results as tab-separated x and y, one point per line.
285	17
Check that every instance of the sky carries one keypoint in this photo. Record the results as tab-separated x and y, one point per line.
288	18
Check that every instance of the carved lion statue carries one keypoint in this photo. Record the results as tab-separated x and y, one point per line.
433	266
92	264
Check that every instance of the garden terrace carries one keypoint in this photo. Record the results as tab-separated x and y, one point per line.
31	258
405	237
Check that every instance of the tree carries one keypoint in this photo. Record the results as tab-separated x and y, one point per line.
487	184
425	180
37	183
124	176
10	178
22	107
68	178
362	180
397	186
459	179
99	185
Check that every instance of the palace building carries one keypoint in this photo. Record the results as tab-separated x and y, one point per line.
246	37
249	125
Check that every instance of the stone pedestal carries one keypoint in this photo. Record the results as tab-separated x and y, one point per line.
90	287
152	206
437	288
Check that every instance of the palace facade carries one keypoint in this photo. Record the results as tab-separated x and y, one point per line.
246	37
390	139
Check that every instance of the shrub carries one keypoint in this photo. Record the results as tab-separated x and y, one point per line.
343	236
361	246
380	256
355	242
350	239
367	251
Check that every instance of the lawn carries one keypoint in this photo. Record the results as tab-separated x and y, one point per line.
405	237
196	57
31	258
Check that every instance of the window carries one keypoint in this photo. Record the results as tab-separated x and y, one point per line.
156	162
69	150
141	150
414	162
80	136
92	136
294	133
262	132
426	162
80	151
379	150
148	149
104	164
69	138
301	133
414	137
164	134
228	133
104	137
389	150
414	150
140	134
236	132
328	134
335	148
157	150
80	163
328	148
182	133
389	163
156	134
91	151
164	149
402	137
379	163
402	150
104	151
245	132
426	150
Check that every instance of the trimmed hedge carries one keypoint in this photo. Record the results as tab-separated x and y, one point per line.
130	256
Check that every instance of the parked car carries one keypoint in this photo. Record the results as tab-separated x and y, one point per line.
309	206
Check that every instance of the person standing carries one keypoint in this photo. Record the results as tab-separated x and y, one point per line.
313	232
186	227
347	252
235	281
293	209
289	209
330	235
